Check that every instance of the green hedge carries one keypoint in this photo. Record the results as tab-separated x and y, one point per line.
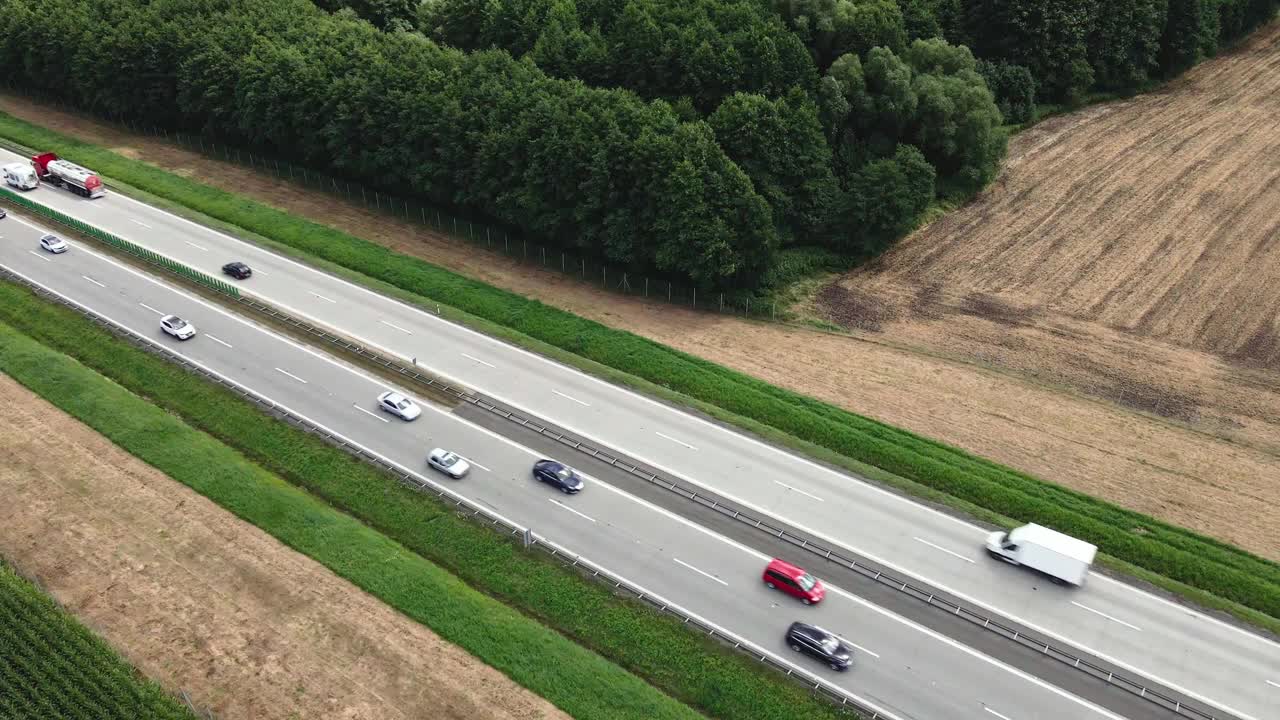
413	526
51	666
1165	550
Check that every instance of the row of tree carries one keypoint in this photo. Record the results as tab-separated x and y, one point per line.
1073	46
597	169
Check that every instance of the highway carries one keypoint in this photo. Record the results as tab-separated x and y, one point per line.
1206	659
901	668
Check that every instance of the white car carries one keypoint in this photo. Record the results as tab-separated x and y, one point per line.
177	327
398	405
53	244
449	463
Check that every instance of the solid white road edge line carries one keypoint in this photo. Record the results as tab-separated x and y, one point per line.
591	378
875	608
701	572
857	698
873	557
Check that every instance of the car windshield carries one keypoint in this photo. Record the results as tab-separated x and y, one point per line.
806	581
564	473
830	644
448	459
402	403
178	322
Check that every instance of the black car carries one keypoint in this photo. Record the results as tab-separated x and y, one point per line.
558	475
821	644
237	270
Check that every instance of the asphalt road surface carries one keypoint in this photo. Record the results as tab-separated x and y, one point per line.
1171	645
901	667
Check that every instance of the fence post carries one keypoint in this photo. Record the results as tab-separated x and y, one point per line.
561	262
646	286
695	298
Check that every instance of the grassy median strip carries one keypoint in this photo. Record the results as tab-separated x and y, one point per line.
262	469
1206	570
51	666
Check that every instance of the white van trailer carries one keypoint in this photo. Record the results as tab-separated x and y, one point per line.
1062	557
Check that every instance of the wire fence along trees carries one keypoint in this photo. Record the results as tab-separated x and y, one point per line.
497	240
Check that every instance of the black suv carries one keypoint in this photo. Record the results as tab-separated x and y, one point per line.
821	644
237	270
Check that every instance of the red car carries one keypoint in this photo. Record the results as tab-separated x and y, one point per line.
794	581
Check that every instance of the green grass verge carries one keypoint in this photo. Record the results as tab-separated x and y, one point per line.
51	666
262	469
1223	576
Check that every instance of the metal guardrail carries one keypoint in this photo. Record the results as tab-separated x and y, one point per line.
465	506
922	594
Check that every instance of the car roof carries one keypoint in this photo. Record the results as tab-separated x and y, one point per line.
785	567
812	631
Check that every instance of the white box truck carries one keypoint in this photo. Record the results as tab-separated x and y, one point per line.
21	176
1063	558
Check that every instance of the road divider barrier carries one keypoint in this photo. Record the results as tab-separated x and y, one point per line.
921	593
148	256
1206	571
843	699
463	394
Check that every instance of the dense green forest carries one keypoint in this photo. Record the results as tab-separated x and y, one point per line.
698	138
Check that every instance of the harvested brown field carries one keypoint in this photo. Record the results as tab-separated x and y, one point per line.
204	602
1071	381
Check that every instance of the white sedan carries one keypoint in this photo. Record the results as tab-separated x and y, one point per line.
449	463
398	405
53	244
177	327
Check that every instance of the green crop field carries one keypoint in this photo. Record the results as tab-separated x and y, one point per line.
52	667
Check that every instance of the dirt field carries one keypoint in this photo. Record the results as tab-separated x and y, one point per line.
202	601
1046	366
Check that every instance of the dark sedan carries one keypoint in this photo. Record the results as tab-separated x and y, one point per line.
237	270
558	475
813	640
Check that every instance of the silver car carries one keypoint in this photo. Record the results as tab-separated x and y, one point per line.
399	405
177	327
449	463
53	244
